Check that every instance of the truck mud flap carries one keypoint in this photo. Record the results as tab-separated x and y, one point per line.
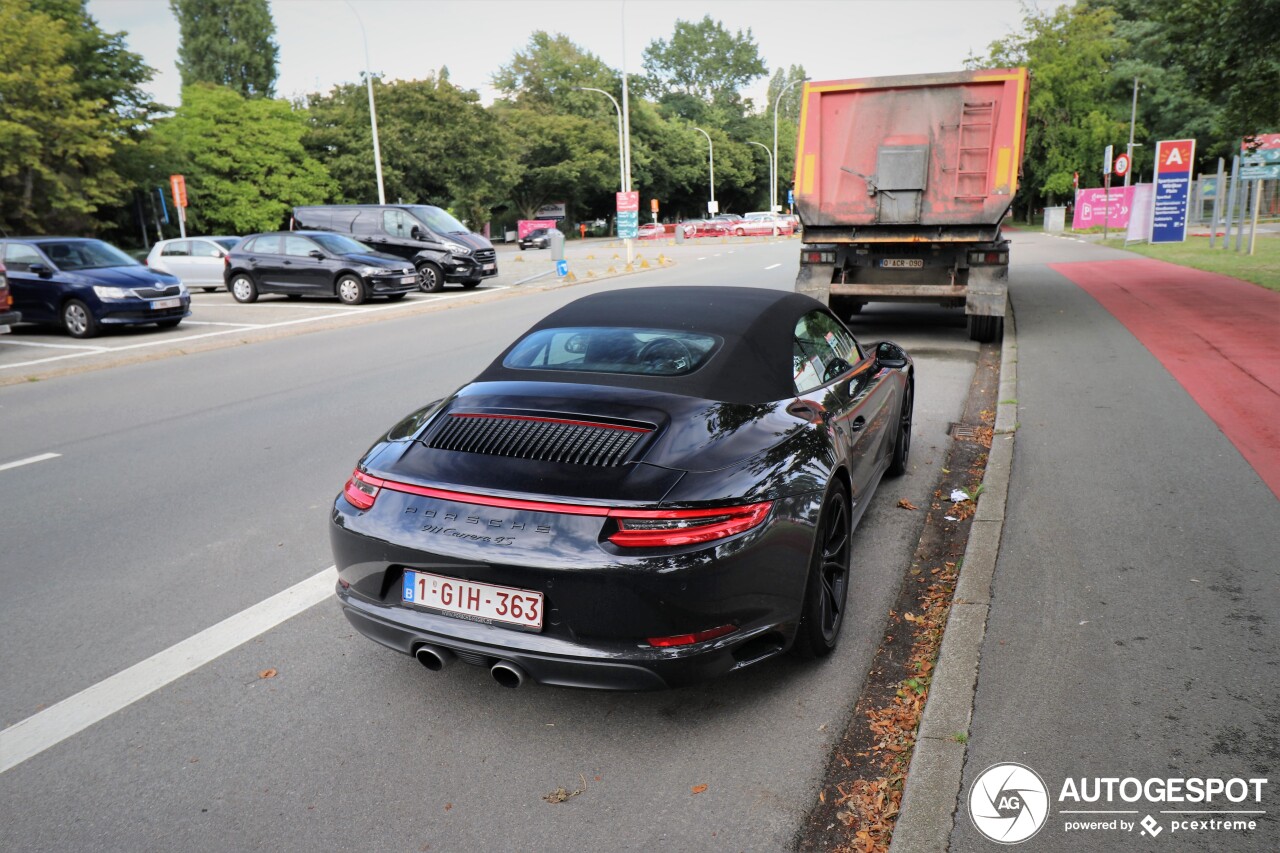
988	291
815	280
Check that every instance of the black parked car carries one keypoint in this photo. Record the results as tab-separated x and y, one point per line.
440	247
315	263
7	315
538	238
83	285
650	487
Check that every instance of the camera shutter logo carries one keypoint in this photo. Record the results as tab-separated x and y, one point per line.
1008	803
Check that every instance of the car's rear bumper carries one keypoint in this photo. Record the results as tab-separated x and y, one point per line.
554	661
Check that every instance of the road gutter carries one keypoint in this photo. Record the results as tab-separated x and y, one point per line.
935	775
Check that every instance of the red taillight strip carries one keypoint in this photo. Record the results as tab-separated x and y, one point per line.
722	521
690	639
596	424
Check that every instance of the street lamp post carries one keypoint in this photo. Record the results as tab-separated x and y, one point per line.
772	181
622	154
773	187
373	115
711	165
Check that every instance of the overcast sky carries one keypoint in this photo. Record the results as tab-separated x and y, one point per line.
320	41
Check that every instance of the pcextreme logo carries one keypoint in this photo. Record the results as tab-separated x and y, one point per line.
1009	803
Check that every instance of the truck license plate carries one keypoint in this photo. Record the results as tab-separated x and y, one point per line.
481	602
902	263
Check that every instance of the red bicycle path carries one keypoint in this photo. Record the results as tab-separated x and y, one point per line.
1219	337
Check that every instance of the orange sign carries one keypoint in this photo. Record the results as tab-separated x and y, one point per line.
653	205
179	186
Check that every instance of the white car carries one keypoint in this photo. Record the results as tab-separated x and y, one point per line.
196	261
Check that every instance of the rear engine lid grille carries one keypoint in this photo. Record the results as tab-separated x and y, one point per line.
544	439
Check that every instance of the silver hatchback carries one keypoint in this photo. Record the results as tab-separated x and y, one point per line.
196	261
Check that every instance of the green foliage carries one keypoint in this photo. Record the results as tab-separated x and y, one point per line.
703	62
545	74
227	43
561	158
1069	118
439	146
243	159
70	104
1231	52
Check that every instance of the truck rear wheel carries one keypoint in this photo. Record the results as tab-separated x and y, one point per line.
983	329
845	307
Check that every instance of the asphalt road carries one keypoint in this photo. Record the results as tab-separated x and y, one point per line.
1133	621
191	488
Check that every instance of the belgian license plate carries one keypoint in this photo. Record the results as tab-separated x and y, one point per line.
489	267
480	602
408	279
161	304
902	263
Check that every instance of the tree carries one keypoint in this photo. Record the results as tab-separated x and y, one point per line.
560	158
439	146
243	158
70	103
1070	52
545	74
1229	50
703	62
788	107
228	43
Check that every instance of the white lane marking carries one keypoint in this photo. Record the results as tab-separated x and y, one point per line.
5	340
239	329
773	266
290	304
703	258
30	460
212	323
72	715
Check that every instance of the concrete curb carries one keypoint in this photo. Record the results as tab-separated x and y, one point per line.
929	803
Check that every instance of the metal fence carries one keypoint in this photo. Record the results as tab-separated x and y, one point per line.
1206	191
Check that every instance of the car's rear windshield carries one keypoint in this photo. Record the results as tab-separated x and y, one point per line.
84	254
650	352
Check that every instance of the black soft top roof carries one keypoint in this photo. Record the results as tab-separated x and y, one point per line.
753	365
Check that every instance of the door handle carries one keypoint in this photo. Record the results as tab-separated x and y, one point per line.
858	423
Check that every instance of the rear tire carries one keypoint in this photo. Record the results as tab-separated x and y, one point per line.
209	289
984	330
827	589
845	307
430	278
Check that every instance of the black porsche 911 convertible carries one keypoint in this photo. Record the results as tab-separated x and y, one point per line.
652	486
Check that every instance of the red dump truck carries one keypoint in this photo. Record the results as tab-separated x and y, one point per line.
901	185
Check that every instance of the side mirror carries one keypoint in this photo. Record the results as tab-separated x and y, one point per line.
415	233
317	254
889	354
41	270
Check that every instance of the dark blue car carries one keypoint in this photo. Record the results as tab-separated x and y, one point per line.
83	285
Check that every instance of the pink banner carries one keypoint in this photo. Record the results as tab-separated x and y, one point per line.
524	226
1093	205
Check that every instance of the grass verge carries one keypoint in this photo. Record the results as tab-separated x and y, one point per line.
1261	268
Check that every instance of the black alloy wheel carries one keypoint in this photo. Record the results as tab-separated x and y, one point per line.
902	444
430	278
828	587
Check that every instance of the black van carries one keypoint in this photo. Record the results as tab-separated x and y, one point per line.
441	247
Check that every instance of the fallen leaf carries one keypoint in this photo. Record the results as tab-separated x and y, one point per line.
267	673
906	504
448	806
698	789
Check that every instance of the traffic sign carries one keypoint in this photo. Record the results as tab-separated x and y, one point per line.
1122	165
1174	161
1106	161
179	186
